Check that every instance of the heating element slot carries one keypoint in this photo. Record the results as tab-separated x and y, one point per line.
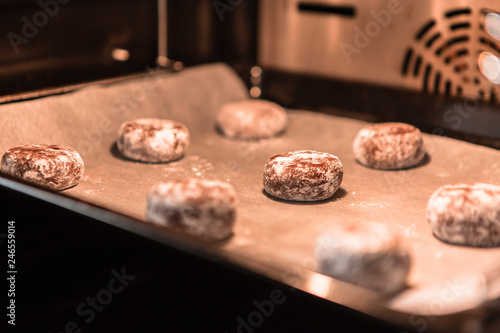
437	83
424	29
349	11
490	43
457	54
428	69
493	95
460	67
432	39
456	12
460	25
406	63
447	88
416	69
452	42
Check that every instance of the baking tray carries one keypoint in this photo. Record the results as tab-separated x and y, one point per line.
273	237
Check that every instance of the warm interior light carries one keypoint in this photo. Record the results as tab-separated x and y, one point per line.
492	25
320	285
120	54
178	66
489	66
256	71
255	92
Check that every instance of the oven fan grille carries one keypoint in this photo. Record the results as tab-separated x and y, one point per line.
445	56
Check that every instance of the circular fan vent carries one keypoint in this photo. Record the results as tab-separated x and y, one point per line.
445	56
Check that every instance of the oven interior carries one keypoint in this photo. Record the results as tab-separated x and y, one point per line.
429	64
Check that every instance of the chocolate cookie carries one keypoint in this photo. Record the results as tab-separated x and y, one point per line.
200	208
368	255
251	119
152	140
303	175
389	146
466	214
51	166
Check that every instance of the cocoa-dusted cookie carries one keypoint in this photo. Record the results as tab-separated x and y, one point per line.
302	175
368	255
466	214
251	119
51	166
197	207
152	140
389	146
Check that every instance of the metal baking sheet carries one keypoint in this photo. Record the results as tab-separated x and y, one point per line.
273	237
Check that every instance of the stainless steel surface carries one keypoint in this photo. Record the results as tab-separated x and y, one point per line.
162	59
372	45
273	237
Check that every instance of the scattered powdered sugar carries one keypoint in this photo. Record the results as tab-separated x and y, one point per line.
370	204
407	231
201	166
466	214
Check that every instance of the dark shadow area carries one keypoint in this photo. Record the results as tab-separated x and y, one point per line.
493	246
220	243
426	160
218	130
387	297
116	153
81	50
339	194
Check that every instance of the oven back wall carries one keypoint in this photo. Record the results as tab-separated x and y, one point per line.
52	43
436	47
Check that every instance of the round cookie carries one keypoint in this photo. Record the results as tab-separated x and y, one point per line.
368	255
51	166
251	119
466	214
197	207
389	146
152	140
302	175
